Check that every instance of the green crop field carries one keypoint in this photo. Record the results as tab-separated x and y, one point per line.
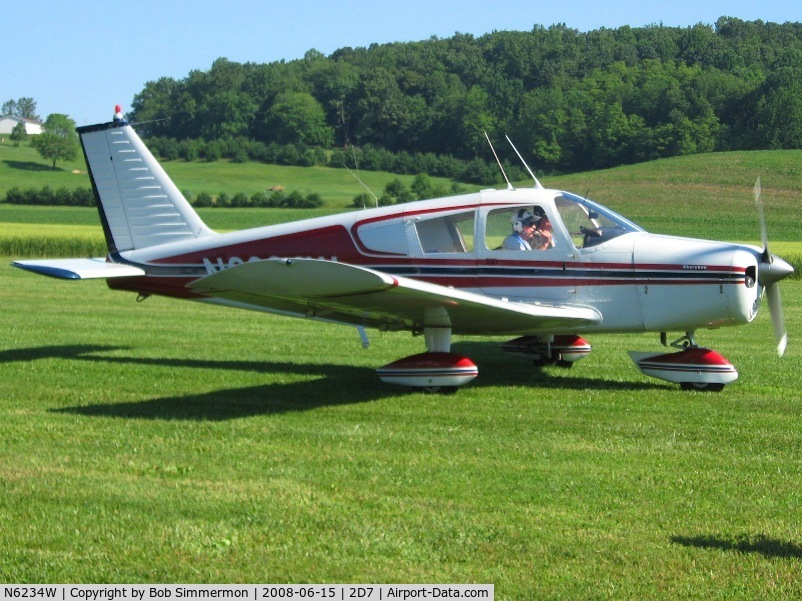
169	441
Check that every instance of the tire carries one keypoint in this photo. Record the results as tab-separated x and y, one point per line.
445	390
702	386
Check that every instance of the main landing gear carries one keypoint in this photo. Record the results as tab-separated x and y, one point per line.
438	370
693	368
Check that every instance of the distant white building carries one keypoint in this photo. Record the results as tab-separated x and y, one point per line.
8	123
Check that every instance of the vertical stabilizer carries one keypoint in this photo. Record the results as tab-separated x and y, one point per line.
139	204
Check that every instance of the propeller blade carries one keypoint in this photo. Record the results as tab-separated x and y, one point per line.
772	270
776	310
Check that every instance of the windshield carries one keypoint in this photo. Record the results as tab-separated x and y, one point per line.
589	223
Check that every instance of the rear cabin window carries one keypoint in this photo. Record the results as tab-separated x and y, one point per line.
449	234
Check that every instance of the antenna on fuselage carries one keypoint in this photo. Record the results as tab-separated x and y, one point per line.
538	185
376	200
509	185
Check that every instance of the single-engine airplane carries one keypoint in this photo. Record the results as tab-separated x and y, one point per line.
436	267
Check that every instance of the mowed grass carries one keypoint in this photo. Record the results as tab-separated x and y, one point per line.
168	441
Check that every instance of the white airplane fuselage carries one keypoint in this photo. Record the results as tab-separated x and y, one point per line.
637	281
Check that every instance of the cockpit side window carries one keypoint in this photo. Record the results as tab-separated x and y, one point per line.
518	228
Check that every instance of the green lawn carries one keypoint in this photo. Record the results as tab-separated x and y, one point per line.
168	441
22	166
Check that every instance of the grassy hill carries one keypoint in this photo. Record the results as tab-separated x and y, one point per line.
24	167
703	196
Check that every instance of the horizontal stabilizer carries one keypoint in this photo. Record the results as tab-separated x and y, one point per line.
79	269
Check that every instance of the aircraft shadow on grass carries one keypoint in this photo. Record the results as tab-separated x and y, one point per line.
75	351
333	384
760	544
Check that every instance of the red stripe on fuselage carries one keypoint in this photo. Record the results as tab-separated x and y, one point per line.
175	285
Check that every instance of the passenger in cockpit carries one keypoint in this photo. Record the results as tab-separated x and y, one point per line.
543	234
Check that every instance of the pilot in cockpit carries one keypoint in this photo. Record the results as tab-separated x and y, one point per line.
523	230
529	232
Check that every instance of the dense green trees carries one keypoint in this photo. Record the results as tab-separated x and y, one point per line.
299	117
570	100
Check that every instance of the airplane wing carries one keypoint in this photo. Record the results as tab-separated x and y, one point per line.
79	269
365	297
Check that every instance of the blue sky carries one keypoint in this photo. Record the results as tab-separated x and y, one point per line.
83	57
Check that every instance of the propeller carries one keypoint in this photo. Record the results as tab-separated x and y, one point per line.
772	270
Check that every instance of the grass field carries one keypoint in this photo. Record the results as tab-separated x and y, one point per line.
173	442
167	441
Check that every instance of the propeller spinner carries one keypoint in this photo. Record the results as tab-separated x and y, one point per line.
772	270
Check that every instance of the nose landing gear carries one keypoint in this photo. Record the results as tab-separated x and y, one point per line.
563	350
693	368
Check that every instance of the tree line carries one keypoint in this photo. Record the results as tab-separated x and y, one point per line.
84	197
395	192
368	157
570	100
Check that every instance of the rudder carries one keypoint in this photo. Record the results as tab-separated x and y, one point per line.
139	204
